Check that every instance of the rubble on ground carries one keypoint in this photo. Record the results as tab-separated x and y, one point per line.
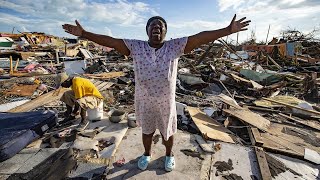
258	98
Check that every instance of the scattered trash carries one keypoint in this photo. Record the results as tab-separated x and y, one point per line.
192	153
120	162
156	138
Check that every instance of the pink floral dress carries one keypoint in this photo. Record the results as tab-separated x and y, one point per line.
155	78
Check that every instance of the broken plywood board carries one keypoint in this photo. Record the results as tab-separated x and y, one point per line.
299	136
114	131
209	127
233	161
281	145
40	101
249	117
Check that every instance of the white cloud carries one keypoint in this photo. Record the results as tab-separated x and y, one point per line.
226	4
40	13
292	2
124	18
280	14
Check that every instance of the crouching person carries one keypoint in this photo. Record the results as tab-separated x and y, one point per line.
82	96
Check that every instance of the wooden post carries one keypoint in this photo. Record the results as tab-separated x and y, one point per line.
57	56
16	66
11	68
65	48
267	35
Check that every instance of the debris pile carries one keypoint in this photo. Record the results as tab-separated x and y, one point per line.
260	97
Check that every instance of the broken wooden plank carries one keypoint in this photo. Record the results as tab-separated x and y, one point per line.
304	122
292	106
238	78
108	85
209	127
96	83
274	62
280	145
249	117
107	75
203	144
255	136
115	131
16	66
104	84
263	164
229	101
11	66
40	101
262	109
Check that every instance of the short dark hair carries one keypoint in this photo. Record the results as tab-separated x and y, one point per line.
153	18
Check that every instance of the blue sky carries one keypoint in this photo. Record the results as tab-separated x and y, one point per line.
127	18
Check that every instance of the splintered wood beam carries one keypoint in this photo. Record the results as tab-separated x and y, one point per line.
210	128
11	66
292	106
40	101
16	66
250	117
255	136
263	164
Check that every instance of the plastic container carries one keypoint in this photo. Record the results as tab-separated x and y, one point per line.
132	120
117	116
96	113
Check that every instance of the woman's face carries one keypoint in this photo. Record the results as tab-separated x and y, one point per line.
157	31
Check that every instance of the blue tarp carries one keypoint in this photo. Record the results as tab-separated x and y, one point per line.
17	130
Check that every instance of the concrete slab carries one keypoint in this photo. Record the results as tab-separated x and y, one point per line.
111	130
234	161
13	164
36	159
4	177
307	170
88	170
131	149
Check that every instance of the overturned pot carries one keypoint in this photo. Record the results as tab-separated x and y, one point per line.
117	116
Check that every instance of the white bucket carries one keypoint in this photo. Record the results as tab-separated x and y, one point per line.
96	113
